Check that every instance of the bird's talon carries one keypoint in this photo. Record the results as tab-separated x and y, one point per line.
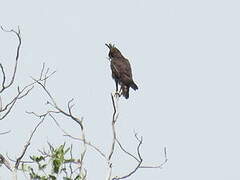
117	94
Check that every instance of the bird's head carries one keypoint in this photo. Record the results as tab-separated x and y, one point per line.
113	51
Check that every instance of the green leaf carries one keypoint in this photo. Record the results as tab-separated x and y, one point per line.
78	177
56	165
52	177
37	159
44	178
41	167
66	178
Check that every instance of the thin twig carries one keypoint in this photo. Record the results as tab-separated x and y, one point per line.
114	119
125	151
158	166
54	104
115	98
27	144
18	34
67	113
20	95
139	161
5	162
79	139
6	132
70	165
4	76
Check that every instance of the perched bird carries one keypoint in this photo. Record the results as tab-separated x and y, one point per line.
121	71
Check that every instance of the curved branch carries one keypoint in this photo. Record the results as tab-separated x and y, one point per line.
67	113
115	98
139	161
79	139
18	34
5	162
160	165
125	151
21	93
27	144
6	132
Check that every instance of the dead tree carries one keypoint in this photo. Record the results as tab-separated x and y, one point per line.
56	109
6	108
17	164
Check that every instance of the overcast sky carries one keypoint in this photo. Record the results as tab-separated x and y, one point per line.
185	60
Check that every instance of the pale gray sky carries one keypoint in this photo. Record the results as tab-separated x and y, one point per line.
185	60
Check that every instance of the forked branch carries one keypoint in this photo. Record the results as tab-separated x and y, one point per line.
58	110
138	158
27	144
5	108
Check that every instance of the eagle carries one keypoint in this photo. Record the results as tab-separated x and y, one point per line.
121	71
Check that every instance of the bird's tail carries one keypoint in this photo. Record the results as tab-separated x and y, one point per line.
134	86
125	91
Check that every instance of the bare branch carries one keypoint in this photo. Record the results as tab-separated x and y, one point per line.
41	74
18	34
4	76
137	158
26	93
115	98
6	132
125	151
54	104
21	93
44	82
1	104
42	115
158	166
139	161
27	144
5	110
79	139
67	113
71	156
5	162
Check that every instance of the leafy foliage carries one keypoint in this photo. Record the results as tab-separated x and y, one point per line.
56	163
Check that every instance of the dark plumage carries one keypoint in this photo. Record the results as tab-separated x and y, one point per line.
121	71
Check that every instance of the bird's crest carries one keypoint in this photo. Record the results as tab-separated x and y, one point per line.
113	51
110	46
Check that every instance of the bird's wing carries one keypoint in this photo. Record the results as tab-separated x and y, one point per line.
115	69
127	69
121	69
